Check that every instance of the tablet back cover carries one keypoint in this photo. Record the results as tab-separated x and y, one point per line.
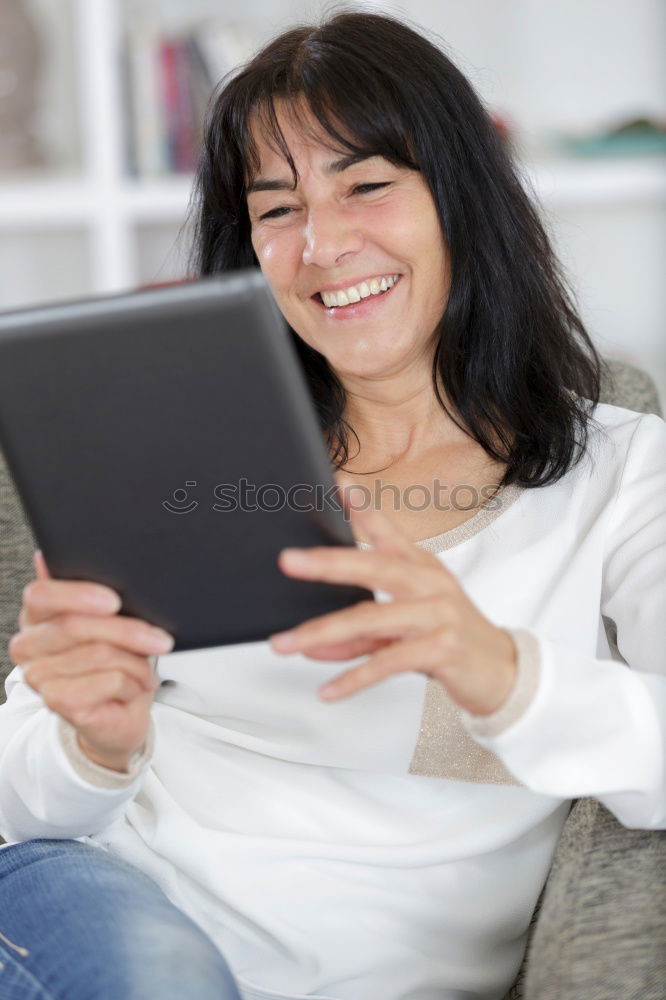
164	443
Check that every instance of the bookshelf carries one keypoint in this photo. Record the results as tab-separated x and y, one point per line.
118	219
89	227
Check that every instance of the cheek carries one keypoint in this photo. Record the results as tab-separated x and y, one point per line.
407	232
274	257
427	247
263	248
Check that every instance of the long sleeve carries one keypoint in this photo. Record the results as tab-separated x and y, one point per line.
47	789
592	726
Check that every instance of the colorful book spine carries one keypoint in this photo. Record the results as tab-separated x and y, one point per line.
169	81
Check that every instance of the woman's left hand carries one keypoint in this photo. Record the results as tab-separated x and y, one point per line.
430	625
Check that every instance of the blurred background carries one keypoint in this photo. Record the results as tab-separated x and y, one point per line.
101	104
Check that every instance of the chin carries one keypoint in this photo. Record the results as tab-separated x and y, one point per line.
360	368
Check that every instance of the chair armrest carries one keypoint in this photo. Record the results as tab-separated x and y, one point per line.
16	547
629	387
601	931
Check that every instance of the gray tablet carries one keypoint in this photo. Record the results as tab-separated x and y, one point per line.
165	443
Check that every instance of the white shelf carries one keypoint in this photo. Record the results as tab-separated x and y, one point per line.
45	204
575	182
158	200
52	204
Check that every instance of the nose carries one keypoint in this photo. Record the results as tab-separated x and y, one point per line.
329	236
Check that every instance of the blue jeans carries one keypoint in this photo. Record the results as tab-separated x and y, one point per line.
77	923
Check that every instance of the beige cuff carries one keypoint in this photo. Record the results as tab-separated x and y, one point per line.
520	695
95	774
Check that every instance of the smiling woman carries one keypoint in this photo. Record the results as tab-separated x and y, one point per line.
379	831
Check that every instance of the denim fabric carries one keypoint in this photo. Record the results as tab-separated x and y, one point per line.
77	923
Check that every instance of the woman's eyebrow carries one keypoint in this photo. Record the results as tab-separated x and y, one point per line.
334	167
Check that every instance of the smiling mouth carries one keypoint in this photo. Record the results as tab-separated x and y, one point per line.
356	293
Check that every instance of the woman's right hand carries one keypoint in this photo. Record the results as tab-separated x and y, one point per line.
89	664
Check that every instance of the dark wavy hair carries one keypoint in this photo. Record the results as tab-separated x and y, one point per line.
517	365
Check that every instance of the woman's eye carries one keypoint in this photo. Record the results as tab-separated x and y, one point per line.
366	188
283	210
275	213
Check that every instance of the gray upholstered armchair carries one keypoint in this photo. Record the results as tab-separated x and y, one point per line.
599	932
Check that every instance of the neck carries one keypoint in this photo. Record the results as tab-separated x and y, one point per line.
397	418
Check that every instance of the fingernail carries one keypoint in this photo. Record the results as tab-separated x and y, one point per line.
330	690
160	641
295	558
283	640
104	600
357	498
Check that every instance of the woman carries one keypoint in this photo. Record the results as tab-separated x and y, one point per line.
386	836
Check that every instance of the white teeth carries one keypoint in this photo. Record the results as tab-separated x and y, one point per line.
355	293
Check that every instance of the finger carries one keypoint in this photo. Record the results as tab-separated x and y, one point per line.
379	530
346	650
426	654
68	631
42	599
367	620
370	569
75	699
39	562
86	661
342	492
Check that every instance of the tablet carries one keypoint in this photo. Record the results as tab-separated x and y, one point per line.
165	443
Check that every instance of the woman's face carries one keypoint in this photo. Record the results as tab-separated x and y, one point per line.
348	230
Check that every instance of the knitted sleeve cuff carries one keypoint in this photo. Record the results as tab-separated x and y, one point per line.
520	695
95	774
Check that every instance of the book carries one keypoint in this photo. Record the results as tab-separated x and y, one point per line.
170	78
